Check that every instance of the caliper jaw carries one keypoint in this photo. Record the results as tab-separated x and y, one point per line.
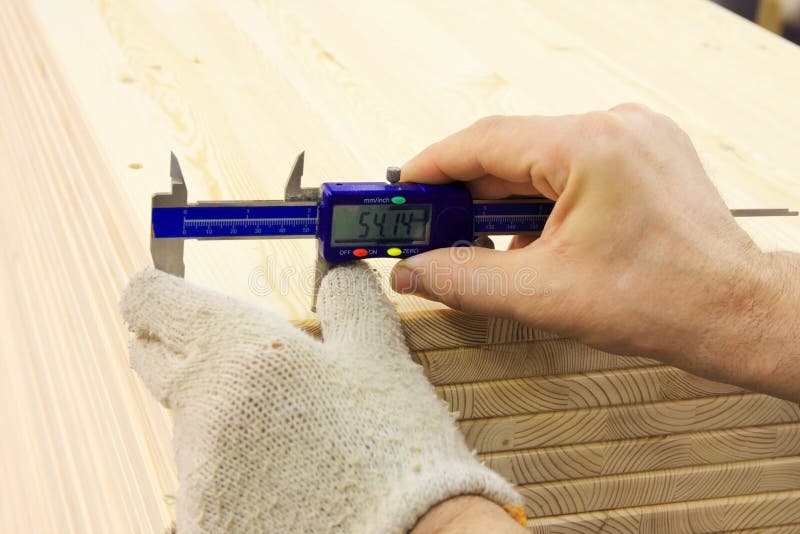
294	192
167	253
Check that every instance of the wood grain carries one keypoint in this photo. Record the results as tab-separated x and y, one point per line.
471	352
514	360
621	422
571	392
82	444
96	93
780	529
694	517
661	486
443	329
646	454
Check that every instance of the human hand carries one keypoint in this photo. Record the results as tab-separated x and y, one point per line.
640	255
276	431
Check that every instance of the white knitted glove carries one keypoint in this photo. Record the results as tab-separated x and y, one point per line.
276	431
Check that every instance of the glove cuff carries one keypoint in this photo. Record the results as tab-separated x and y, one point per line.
413	496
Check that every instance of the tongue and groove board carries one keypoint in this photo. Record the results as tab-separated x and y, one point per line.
95	94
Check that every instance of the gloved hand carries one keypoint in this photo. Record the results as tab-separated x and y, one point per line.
276	431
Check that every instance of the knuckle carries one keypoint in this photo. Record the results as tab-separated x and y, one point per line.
488	122
487	131
642	118
602	124
643	121
669	125
488	126
633	108
608	135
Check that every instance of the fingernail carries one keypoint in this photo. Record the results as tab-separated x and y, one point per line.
405	279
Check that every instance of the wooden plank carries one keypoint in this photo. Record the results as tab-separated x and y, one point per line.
568	392
621	422
646	454
780	529
662	486
693	517
514	360
469	350
82	444
444	329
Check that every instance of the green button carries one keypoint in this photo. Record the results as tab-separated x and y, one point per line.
395	251
398	200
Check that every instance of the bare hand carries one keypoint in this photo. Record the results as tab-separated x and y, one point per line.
640	255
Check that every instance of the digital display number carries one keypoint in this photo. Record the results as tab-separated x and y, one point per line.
408	224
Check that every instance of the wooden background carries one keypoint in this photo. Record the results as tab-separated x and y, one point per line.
94	95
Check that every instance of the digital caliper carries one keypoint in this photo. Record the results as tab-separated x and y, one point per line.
350	220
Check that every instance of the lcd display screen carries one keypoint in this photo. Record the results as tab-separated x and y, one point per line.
407	224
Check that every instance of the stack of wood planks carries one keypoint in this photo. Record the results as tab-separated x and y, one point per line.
598	441
94	95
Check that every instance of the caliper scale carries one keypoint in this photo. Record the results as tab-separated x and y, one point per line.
350	220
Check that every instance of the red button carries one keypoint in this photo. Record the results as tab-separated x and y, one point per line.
360	252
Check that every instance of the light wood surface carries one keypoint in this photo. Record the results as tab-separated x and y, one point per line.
96	93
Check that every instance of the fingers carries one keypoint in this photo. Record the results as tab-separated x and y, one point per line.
473	280
353	310
179	313
491	187
521	150
167	307
181	328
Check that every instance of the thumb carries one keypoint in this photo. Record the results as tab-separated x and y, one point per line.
473	279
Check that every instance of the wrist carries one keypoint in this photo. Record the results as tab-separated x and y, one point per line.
774	364
752	339
467	513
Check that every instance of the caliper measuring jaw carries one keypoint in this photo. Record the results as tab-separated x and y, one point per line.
167	252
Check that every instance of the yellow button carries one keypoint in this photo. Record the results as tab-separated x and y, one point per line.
394	251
